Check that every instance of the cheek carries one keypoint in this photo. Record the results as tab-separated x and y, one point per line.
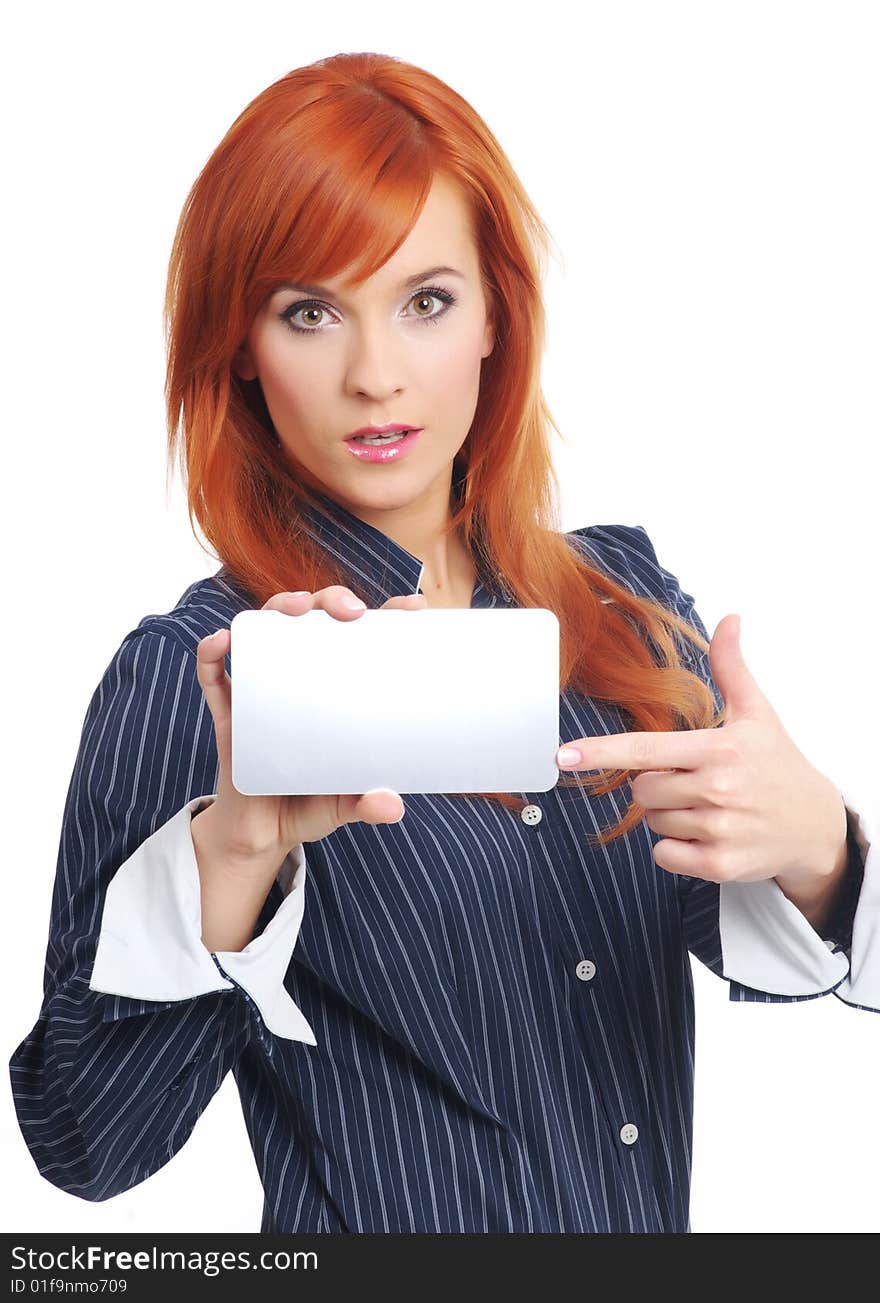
289	380
455	363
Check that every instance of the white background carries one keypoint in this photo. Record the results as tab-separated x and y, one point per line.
709	174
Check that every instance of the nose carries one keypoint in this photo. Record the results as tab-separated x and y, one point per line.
374	367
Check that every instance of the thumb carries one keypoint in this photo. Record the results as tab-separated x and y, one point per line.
736	683
405	602
378	805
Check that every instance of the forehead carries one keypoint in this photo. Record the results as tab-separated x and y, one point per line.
441	237
445	220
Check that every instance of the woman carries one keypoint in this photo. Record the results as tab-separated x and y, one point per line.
482	1018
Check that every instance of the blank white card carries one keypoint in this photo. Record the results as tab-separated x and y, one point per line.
433	700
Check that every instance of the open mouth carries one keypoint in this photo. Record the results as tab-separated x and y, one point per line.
377	440
383	448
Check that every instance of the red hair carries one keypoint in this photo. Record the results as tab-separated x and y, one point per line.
328	169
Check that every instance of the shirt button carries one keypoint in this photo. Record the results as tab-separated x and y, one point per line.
585	969
831	943
629	1133
532	814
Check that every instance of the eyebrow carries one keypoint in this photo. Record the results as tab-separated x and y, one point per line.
405	284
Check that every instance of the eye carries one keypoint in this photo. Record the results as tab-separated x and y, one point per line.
424	296
291	312
315	306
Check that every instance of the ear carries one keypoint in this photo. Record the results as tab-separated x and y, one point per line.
488	336
243	362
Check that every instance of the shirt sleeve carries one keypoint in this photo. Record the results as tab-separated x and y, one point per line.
150	947
139	1023
750	933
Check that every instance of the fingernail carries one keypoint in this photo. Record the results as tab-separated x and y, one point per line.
567	756
302	593
354	604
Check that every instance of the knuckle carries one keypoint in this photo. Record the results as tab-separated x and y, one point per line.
728	753
718	865
721	824
719	784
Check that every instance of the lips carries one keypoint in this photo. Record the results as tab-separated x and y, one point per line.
385	451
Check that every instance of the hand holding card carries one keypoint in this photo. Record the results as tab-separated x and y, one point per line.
263	828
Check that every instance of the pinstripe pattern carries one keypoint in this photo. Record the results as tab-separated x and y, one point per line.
465	1078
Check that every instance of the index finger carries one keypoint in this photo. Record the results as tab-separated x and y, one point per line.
682	749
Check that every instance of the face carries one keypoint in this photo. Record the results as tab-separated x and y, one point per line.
395	350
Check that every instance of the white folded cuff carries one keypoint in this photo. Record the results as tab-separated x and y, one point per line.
861	986
769	945
150	945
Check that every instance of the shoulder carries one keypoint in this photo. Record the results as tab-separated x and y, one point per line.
626	553
205	605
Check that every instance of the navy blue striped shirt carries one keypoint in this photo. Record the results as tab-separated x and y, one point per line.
496	1021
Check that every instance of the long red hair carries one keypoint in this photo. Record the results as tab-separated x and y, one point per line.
327	169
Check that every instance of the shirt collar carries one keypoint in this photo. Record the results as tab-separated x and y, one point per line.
380	568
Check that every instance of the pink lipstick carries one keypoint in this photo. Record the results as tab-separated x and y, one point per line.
389	450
